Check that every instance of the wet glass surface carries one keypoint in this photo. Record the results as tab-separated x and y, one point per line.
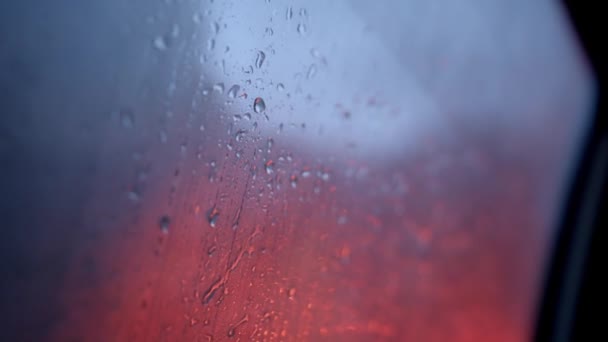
284	170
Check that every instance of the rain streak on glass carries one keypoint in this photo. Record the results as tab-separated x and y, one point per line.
258	105
259	60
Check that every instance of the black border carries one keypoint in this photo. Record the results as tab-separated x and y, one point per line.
569	309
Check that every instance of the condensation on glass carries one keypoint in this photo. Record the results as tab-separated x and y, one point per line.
317	170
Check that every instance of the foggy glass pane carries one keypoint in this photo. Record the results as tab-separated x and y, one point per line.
284	170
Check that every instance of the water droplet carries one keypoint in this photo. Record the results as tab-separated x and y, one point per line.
289	13
269	167
164	222
160	43
219	87
291	293
247	116
305	174
312	71
240	134
303	13
269	143
196	17
202	128
269	31
127	118
133	196
211	250
193	321
260	58
162	136
324	176
212	216
237	117
233	91
215	27
210	44
280	87
302	29
175	31
259	105
293	180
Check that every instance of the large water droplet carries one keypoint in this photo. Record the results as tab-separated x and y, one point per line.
233	91
164	222
259	105
259	60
